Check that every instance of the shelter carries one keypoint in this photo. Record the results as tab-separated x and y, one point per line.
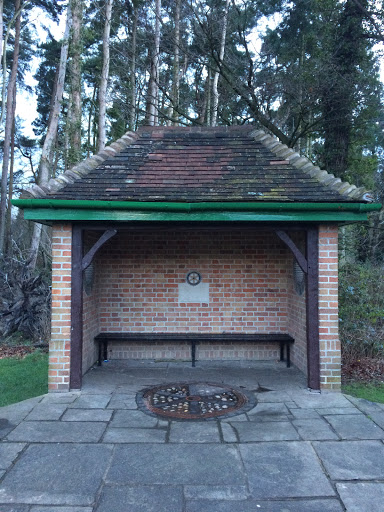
255	223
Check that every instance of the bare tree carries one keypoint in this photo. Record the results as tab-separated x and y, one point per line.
46	159
11	106
104	77
1	28
132	113
215	92
176	66
74	152
153	87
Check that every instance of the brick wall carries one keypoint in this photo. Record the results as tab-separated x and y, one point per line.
138	276
59	349
297	326
330	366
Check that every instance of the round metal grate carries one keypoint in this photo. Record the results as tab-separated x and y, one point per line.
194	401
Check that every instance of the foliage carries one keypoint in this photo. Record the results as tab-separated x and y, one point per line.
361	299
23	378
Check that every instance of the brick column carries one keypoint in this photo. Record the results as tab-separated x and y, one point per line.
59	347
330	351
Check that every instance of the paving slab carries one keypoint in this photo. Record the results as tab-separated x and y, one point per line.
304	414
305	399
87	415
6	427
9	452
273	396
239	417
365	405
355	426
314	429
352	460
284	470
378	418
17	412
171	464
60	398
330	411
14	508
362	496
266	431
38	508
330	505
91	402
229	433
194	432
58	432
59	474
46	411
123	401
131	419
216	492
155	498
269	412
135	435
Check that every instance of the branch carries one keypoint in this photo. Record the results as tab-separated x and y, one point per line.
379	36
14	17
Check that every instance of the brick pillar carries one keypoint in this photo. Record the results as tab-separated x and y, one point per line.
330	355
59	347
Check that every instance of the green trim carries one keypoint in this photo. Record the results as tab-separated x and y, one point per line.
191	207
124	211
126	216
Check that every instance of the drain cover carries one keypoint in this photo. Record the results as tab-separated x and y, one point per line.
194	401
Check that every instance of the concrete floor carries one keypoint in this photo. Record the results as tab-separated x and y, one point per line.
94	450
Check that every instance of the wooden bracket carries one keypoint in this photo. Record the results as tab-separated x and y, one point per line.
300	258
87	259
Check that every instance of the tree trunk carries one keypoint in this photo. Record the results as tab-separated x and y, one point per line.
75	68
8	228
132	113
8	129
46	164
215	92
104	77
1	28
176	67
153	87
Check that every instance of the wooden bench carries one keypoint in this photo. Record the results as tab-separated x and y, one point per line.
105	338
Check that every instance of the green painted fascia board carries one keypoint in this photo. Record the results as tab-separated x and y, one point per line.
51	204
59	214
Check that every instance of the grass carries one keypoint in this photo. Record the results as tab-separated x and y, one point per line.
23	378
369	391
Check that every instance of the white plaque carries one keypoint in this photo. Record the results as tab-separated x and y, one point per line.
198	293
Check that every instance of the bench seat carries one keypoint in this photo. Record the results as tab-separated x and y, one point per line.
193	338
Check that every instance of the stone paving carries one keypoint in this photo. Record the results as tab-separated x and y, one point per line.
94	451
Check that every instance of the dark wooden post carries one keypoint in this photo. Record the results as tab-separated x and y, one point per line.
76	308
313	341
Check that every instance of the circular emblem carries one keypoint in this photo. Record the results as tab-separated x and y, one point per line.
193	278
194	401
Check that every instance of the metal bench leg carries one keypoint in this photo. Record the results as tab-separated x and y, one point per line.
193	352
99	359
282	350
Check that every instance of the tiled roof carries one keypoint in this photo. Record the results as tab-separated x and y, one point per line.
194	164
